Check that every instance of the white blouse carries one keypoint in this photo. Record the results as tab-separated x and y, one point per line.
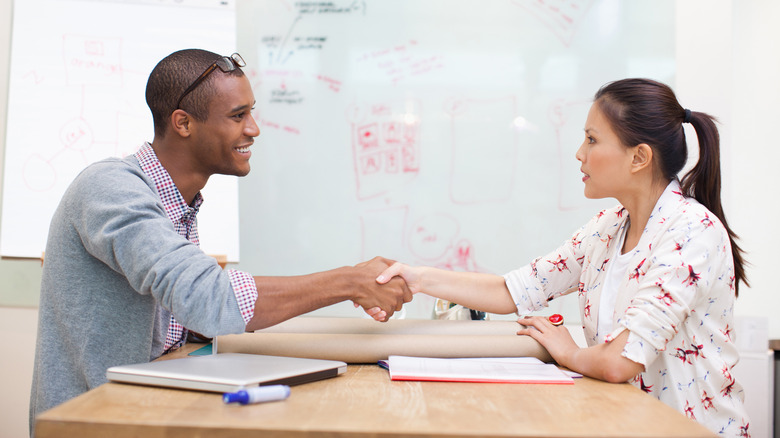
676	299
616	270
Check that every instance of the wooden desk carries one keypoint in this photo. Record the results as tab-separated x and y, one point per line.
364	402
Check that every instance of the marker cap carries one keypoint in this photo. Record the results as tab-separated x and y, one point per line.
236	397
258	394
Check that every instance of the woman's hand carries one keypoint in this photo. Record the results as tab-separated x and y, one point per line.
409	274
555	339
603	361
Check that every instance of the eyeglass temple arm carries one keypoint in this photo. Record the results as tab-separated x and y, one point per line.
196	83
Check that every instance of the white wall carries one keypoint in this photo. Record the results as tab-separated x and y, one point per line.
753	63
17	330
17	325
753	205
727	65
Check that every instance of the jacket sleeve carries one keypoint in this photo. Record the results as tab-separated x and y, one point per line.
548	277
690	265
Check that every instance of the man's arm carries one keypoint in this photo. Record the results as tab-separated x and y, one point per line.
281	298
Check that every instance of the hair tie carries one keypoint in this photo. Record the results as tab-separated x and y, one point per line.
687	118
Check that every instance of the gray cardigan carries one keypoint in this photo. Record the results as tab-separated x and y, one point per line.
114	269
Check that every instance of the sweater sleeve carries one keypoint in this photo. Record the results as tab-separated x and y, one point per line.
121	221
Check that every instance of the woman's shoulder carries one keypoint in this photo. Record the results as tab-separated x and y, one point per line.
690	228
601	226
607	218
689	214
676	206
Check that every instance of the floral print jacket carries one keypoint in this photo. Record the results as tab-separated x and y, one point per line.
676	299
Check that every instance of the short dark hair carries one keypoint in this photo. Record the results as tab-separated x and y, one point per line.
171	76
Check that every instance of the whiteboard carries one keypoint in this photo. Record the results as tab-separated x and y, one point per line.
437	132
77	85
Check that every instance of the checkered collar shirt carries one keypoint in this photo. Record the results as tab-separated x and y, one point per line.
183	217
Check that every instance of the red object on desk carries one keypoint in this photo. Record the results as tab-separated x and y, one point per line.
556	319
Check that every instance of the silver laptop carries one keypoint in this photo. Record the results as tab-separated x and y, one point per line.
226	372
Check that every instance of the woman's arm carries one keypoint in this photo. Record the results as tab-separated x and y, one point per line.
603	361
485	292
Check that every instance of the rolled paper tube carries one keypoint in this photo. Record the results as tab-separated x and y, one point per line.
345	339
393	326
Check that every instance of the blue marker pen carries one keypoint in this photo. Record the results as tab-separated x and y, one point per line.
258	394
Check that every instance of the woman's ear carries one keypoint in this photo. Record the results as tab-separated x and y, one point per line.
643	157
180	123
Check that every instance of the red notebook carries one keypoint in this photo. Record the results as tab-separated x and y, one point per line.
483	370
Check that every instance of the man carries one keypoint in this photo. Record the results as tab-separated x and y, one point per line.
123	273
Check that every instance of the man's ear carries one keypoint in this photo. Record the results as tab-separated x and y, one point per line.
181	123
643	157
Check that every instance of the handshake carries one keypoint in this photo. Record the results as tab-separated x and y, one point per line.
383	286
380	289
380	286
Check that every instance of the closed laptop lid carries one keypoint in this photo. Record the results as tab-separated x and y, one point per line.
226	372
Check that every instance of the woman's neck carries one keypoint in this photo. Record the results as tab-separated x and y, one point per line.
640	206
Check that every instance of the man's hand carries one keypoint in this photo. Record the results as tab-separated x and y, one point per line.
281	298
380	301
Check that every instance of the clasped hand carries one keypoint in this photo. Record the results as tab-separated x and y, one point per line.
380	300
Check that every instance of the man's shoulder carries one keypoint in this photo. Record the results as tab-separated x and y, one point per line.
111	170
112	165
111	175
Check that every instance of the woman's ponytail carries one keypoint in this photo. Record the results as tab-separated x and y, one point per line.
703	183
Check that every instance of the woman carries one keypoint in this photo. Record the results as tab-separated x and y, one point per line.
656	276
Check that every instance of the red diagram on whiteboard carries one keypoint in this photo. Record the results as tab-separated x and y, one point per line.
386	147
92	60
461	258
562	17
92	66
436	240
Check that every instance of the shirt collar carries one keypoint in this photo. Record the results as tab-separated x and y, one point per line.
172	200
672	195
667	205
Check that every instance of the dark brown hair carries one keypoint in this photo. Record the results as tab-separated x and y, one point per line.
172	75
646	111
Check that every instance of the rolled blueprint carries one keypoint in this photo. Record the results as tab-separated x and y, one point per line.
355	340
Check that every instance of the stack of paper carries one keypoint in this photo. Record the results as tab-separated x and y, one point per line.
484	370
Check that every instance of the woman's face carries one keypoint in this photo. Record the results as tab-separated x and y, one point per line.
606	162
